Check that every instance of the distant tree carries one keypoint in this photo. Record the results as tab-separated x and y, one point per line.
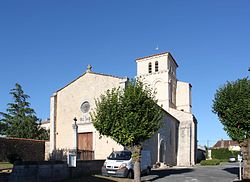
232	105
20	120
129	117
2	128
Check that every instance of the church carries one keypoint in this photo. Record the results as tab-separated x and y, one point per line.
174	144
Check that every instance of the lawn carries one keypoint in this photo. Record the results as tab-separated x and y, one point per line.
4	165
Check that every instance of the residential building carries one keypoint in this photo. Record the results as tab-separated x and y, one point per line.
45	124
229	144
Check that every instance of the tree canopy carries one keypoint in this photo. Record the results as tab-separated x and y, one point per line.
232	105
129	116
20	120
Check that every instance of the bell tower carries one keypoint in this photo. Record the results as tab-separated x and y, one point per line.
159	72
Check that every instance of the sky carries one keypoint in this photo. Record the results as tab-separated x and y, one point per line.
46	44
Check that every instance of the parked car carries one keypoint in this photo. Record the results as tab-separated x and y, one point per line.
120	164
232	159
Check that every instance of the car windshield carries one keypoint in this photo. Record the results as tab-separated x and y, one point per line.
120	155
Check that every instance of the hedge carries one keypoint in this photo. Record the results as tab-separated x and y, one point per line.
210	162
223	154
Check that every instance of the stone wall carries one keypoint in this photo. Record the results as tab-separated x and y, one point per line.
27	149
246	158
53	170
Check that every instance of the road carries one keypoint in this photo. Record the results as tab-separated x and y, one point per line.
223	173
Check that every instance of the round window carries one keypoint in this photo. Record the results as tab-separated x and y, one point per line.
85	107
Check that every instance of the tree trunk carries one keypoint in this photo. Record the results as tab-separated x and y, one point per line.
245	147
137	163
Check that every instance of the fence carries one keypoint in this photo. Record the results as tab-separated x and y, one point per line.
85	154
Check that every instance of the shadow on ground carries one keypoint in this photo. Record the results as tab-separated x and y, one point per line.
158	174
232	170
154	175
4	176
97	178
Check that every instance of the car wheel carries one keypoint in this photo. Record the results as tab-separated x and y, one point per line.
130	174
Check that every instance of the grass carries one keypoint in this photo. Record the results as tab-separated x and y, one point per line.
4	165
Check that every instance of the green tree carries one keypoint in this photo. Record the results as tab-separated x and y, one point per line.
232	105
20	120
129	116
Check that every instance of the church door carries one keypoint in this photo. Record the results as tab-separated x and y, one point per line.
85	141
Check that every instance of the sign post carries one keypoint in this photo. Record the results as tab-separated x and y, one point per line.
71	160
240	159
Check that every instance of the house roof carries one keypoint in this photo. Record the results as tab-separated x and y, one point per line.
45	121
159	54
170	115
225	143
23	139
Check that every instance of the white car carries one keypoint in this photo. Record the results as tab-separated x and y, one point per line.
232	159
120	164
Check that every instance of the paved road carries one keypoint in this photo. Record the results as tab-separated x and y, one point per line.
223	173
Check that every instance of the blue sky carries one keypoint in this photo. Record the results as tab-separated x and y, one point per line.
46	44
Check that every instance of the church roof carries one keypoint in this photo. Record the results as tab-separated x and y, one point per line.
159	54
170	115
90	72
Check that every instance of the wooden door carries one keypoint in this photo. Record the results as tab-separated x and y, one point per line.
85	141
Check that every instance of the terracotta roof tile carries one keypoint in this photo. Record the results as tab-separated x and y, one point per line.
225	143
25	139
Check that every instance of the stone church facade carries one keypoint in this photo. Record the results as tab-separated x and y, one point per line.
174	144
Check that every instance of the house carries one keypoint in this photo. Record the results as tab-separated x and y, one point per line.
201	153
45	124
229	144
71	127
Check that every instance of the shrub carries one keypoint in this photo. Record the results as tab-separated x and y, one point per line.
210	162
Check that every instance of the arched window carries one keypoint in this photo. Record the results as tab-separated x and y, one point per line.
149	67
156	66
